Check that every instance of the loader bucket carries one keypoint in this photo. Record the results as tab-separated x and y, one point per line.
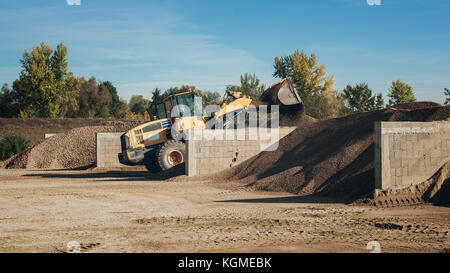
282	93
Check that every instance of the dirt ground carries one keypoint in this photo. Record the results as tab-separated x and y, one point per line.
126	211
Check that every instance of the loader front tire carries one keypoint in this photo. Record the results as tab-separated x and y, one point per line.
171	154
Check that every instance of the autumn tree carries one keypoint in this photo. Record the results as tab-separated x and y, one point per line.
400	92
125	112
46	88
41	89
308	77
73	88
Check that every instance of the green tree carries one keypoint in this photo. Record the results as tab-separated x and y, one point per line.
177	90
379	101
232	87
209	97
85	100
400	92
250	86
41	88
138	104
115	104
157	97
360	98
96	99
103	102
308	77
447	94
8	104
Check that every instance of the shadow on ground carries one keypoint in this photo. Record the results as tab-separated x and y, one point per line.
87	175
122	175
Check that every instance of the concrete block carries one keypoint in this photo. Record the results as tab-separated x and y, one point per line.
407	153
108	147
218	154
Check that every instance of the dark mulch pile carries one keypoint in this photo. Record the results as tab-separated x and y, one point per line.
333	158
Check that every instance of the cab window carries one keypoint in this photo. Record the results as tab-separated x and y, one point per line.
187	100
161	111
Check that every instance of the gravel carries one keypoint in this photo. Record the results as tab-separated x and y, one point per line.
73	149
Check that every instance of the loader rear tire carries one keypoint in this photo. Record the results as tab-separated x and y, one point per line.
171	154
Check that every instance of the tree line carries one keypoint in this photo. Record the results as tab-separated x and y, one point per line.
45	88
322	101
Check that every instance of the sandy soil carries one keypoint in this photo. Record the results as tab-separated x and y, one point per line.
124	211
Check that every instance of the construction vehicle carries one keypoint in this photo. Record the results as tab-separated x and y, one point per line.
151	144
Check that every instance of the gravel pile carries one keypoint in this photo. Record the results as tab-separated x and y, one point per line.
435	190
73	149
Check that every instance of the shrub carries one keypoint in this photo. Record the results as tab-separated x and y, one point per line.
11	145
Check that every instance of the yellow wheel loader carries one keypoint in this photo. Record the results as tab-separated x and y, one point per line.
151	144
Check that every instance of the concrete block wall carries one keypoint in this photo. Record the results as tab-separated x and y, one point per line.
210	156
108	147
408	153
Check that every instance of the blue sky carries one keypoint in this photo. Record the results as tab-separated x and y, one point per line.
140	45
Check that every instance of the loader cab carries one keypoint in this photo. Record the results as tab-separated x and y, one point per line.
164	108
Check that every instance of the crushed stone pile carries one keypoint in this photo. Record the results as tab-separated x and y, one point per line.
435	190
332	158
73	149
